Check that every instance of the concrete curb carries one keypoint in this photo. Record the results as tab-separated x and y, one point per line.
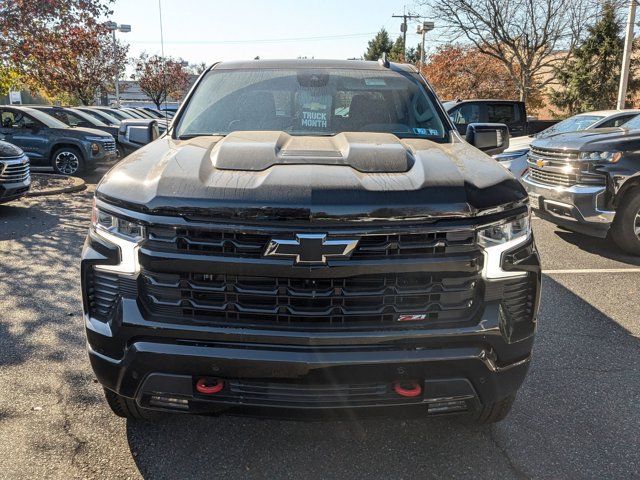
77	186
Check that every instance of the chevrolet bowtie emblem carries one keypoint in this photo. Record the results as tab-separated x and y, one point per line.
310	249
541	163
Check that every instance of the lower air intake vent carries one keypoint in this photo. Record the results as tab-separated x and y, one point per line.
518	308
105	291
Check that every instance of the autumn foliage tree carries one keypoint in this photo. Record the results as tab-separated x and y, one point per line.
59	46
458	71
161	77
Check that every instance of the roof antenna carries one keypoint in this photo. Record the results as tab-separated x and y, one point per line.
383	60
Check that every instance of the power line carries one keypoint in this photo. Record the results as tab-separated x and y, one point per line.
263	40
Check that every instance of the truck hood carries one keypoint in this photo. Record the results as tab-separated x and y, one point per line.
599	139
350	176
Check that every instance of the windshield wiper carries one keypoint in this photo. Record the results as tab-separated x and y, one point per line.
193	135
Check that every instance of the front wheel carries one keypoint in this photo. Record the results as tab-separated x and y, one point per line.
68	161
625	230
494	412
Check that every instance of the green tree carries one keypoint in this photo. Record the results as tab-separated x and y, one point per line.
413	54
397	53
380	44
589	80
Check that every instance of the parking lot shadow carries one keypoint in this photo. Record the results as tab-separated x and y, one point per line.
575	417
602	247
19	220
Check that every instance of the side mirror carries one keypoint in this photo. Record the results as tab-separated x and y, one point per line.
491	138
137	133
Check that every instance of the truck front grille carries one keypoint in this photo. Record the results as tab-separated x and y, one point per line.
253	245
14	171
393	299
554	154
552	178
109	146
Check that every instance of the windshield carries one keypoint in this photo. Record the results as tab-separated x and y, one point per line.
48	120
119	114
311	102
572	124
102	116
87	117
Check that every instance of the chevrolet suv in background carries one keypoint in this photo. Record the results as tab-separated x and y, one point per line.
50	143
312	235
15	178
78	118
589	182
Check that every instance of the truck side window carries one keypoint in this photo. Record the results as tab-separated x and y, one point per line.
466	114
502	113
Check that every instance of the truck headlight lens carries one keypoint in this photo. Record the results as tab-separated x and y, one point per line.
500	237
505	232
611	157
126	234
105	222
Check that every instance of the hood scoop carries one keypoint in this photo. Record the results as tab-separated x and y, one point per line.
365	152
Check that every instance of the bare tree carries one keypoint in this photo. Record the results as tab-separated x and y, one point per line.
529	37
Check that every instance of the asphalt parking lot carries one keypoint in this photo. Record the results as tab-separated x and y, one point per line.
576	416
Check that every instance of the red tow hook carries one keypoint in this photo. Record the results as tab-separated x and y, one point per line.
209	386
407	388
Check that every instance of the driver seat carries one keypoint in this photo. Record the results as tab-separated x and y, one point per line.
367	110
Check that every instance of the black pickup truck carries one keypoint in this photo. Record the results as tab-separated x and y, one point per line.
510	112
309	236
589	182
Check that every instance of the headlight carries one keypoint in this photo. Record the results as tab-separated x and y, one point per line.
125	234
611	157
107	223
497	239
505	232
95	148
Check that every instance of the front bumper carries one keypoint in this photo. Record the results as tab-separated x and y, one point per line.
579	208
158	363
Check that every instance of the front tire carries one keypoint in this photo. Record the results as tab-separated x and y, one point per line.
128	408
68	161
494	412
626	226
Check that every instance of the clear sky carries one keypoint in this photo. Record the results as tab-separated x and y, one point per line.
212	30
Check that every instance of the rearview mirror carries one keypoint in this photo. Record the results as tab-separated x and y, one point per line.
137	133
491	138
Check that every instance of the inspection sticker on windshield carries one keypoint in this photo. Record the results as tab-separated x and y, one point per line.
425	131
375	82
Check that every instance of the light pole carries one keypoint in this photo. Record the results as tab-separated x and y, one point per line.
423	29
113	26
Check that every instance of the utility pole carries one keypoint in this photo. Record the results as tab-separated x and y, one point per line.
423	29
626	58
113	26
403	28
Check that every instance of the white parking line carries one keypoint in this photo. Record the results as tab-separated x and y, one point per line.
593	270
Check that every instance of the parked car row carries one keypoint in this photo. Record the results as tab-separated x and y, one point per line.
73	140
